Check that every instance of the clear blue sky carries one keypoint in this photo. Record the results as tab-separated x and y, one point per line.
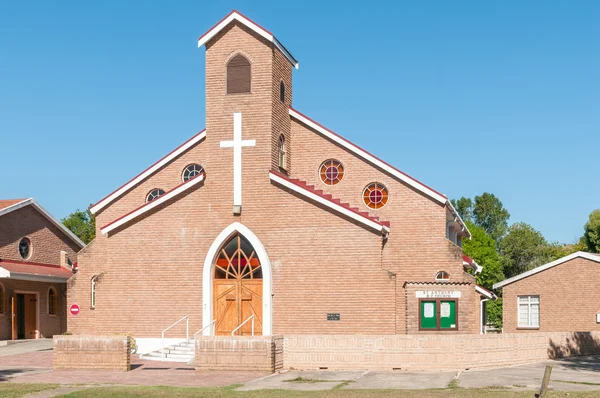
467	96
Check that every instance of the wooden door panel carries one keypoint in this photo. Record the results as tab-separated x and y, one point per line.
225	306
14	318
251	304
30	316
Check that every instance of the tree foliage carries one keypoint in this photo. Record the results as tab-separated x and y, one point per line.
524	248
482	248
82	224
464	207
591	234
490	214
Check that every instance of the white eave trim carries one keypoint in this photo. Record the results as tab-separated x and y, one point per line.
148	172
334	206
368	157
474	266
151	205
251	25
544	267
48	216
31	277
485	293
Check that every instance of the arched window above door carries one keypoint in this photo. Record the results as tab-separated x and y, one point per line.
239	76
238	260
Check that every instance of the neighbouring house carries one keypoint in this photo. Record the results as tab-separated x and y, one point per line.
561	296
270	216
37	254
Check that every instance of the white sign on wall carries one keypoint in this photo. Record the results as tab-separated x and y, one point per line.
438	293
597	318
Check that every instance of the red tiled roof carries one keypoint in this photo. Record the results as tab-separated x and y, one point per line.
329	197
467	259
39	269
9	202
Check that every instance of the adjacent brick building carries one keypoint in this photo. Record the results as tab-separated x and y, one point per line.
328	239
37	254
560	296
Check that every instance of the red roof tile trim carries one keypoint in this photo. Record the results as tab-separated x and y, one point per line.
22	267
330	198
201	175
9	202
467	259
362	149
147	168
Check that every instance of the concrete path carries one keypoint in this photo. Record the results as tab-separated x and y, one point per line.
25	346
574	374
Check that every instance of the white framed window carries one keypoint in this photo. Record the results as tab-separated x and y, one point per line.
93	292
282	152
442	276
529	311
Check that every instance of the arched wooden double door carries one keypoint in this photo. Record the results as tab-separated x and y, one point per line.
237	288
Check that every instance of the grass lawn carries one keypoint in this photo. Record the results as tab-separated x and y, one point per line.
14	390
228	392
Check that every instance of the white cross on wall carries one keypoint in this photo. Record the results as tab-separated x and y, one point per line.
237	144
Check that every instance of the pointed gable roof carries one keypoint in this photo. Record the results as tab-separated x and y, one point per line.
10	205
237	16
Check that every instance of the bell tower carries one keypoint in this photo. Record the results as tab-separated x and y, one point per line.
248	96
249	71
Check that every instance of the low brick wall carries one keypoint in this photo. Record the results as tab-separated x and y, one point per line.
252	353
431	352
88	352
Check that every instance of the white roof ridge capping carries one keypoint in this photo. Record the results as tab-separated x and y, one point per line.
150	205
376	161
48	216
148	172
580	254
235	15
327	203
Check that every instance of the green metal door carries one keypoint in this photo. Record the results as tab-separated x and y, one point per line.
448	314
428	315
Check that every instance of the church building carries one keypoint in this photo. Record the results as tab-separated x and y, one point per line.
267	216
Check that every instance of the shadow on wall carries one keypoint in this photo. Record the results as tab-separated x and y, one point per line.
576	345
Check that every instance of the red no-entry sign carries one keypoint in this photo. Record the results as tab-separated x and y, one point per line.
74	309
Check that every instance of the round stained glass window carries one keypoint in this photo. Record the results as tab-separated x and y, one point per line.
191	171
25	248
375	195
155	193
331	171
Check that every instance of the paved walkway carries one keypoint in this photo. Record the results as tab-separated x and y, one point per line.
31	362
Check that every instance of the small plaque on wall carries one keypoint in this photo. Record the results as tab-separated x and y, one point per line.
333	317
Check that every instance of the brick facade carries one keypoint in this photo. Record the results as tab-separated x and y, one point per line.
92	353
569	298
47	243
322	262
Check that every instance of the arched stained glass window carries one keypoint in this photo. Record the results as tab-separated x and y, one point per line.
331	171
238	260
375	195
282	91
191	171
155	193
52	301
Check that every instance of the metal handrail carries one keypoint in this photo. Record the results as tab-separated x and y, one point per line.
214	329
242	324
187	333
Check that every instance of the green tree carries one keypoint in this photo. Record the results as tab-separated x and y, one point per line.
591	235
482	248
464	207
82	224
523	248
490	214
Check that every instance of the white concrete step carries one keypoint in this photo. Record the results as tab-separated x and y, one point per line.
183	352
